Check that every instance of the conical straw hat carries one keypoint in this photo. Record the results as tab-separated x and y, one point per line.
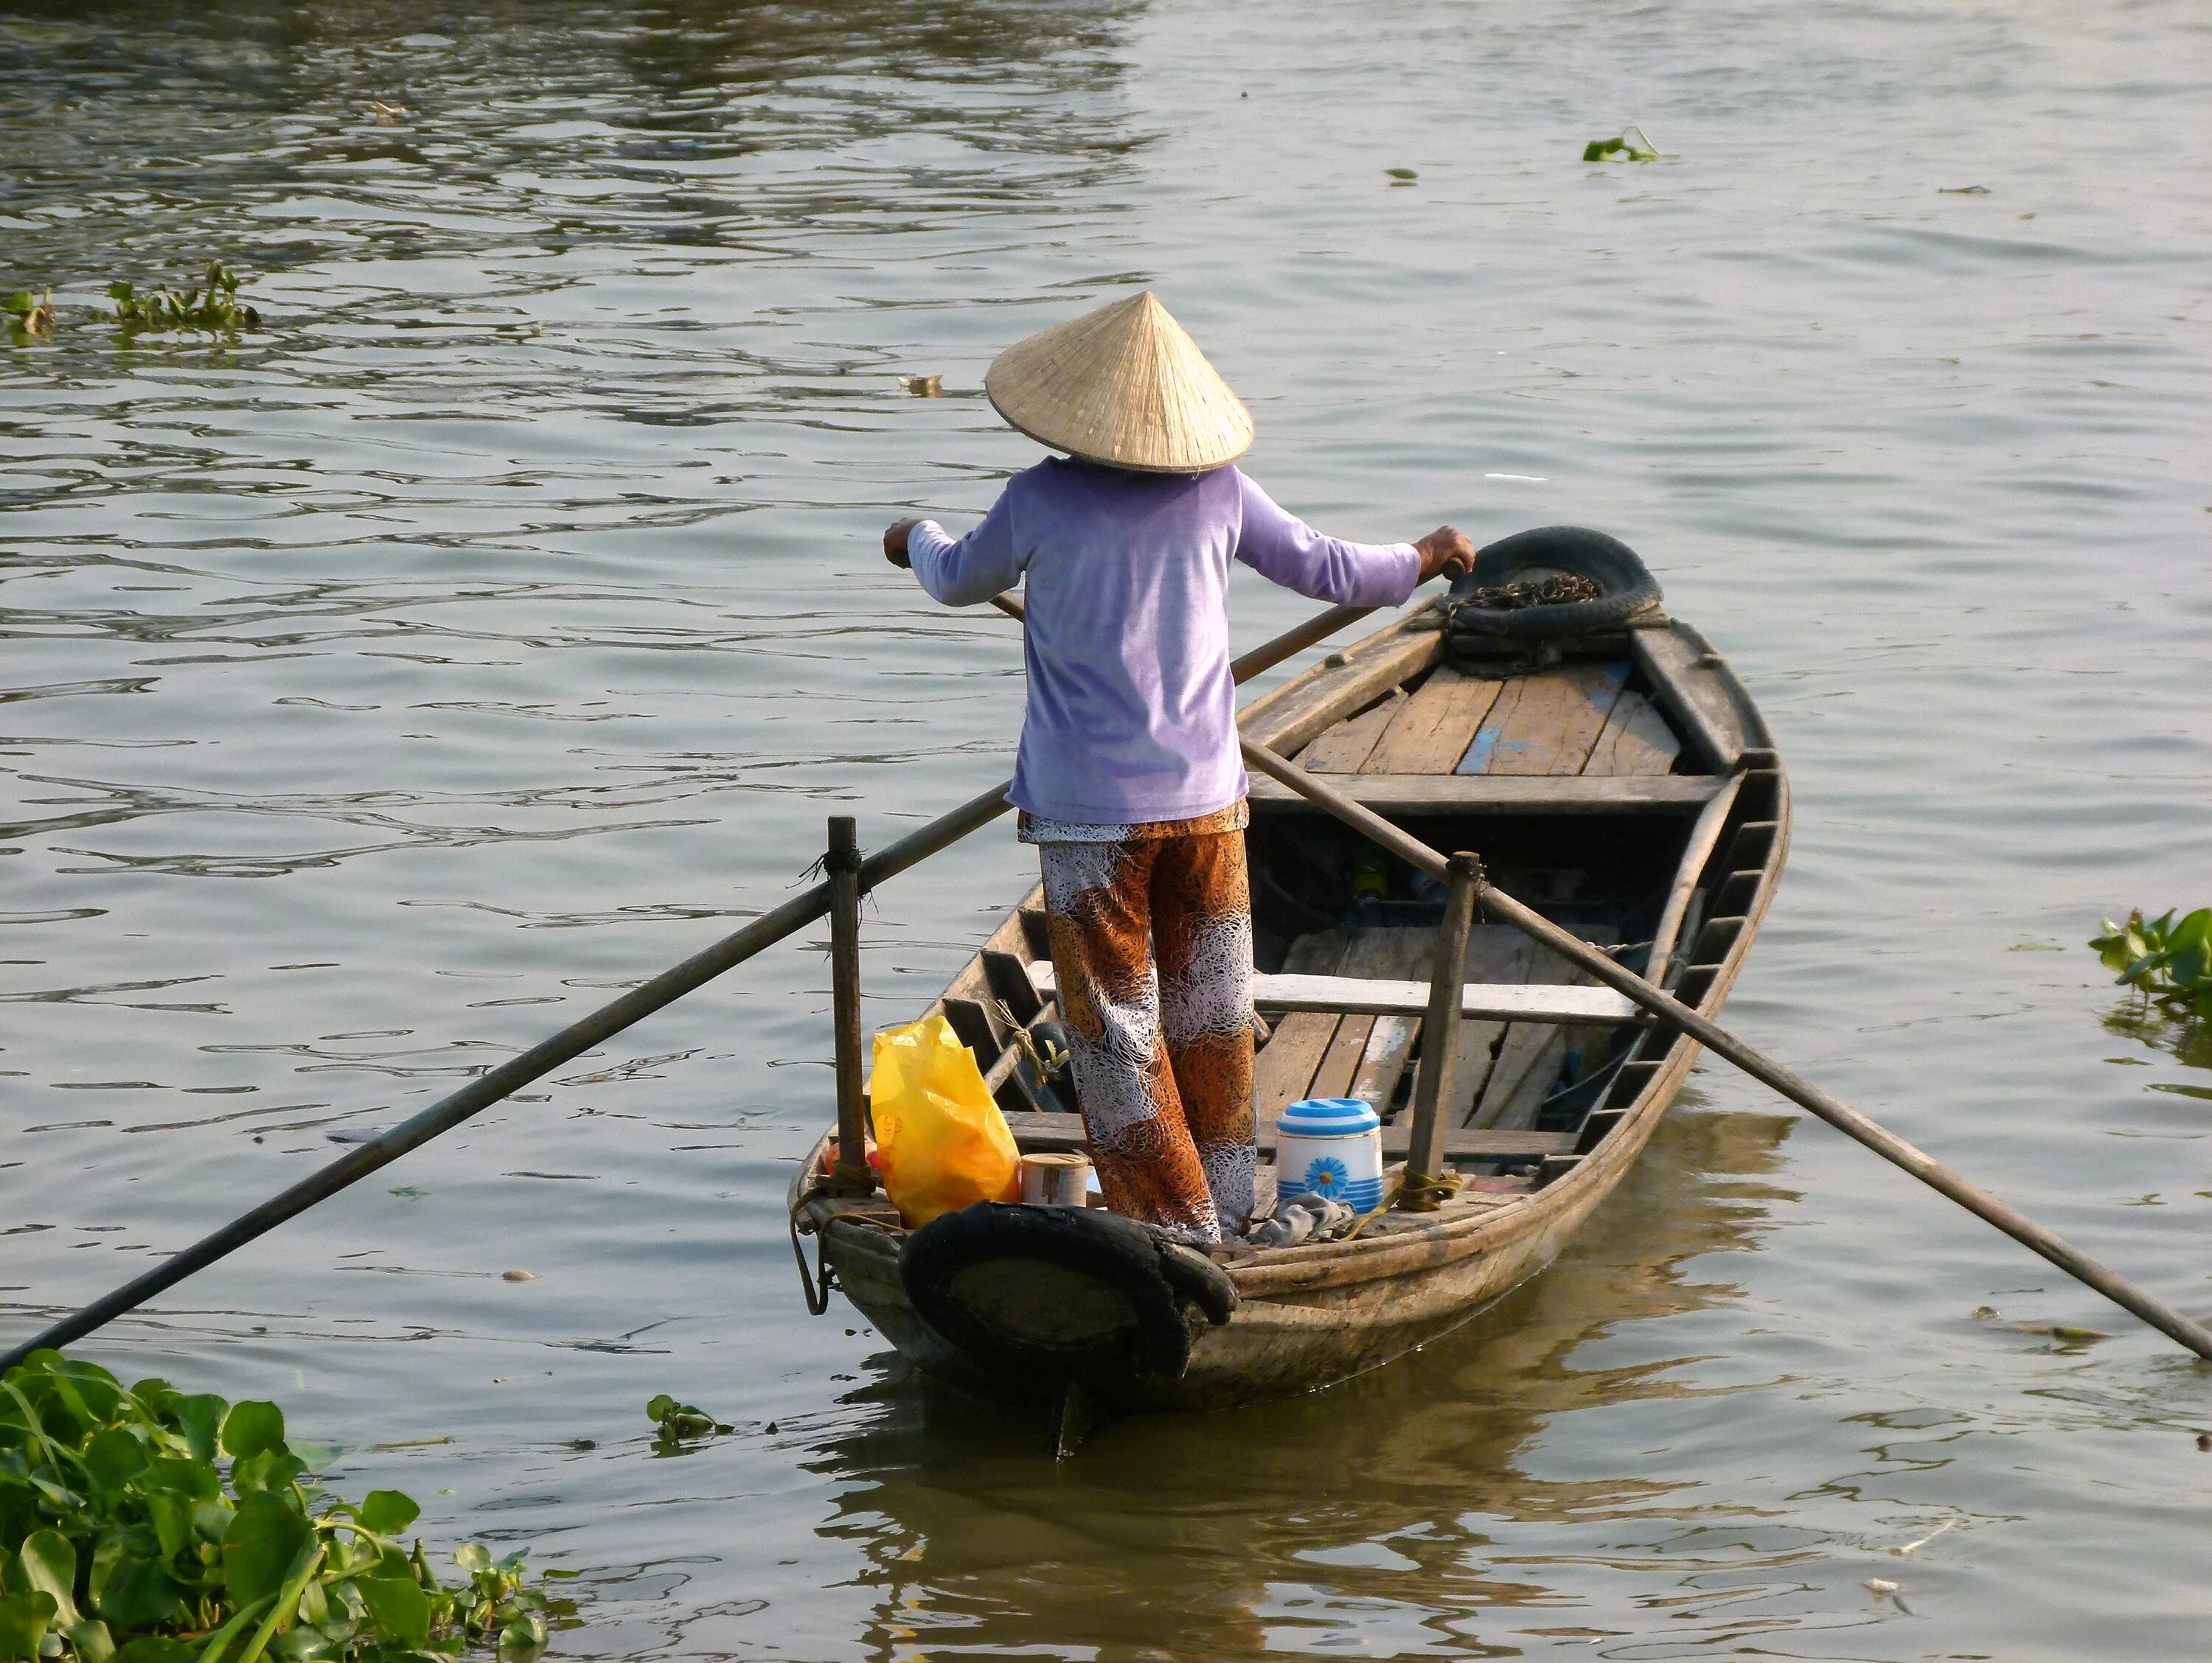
1123	384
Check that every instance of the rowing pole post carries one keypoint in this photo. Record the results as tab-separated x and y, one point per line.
602	1024
1429	1178
2182	1331
842	866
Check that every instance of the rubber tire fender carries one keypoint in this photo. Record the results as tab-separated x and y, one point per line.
1152	1275
1608	562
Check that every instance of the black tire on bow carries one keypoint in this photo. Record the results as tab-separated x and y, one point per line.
1608	562
1045	1295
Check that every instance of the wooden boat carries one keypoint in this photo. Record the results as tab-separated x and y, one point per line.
1623	784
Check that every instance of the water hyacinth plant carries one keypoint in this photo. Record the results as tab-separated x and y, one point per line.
2168	962
1622	147
28	313
152	1526
215	307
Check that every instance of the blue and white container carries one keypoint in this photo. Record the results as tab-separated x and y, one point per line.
1331	1147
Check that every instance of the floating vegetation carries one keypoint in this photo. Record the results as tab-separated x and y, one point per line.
1622	147
2169	963
215	307
679	1424
151	1525
29	314
924	386
1401	175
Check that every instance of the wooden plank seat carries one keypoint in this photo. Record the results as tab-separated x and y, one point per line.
1040	1133
1362	996
1511	793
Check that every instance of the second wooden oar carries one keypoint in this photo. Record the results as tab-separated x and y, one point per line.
1837	1112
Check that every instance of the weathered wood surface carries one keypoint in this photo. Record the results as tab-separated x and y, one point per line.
1432	729
1636	741
1345	747
1530	1056
1283	1072
1696	850
1496	793
1365	996
1545	724
1039	1134
1300	710
1692	694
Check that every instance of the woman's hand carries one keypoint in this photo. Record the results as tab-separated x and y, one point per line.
1445	552
894	542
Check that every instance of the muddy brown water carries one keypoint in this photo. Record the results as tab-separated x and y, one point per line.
501	622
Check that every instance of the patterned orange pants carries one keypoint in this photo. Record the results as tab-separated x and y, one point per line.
1152	938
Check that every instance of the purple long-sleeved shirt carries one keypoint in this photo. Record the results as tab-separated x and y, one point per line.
1132	710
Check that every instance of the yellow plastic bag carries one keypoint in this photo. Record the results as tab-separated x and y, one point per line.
943	1141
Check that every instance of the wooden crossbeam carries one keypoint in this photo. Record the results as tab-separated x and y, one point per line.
1037	1133
1509	794
1359	996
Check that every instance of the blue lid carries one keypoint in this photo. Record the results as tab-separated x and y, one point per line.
1328	1117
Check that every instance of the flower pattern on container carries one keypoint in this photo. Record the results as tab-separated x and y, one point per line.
1328	1177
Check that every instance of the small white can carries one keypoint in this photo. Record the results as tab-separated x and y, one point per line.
1331	1147
1053	1180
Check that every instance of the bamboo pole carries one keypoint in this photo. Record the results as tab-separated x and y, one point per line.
2180	1329
580	1036
841	865
1424	1189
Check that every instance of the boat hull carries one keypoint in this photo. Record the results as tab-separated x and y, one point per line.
1313	1315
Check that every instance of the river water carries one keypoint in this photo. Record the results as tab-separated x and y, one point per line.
498	624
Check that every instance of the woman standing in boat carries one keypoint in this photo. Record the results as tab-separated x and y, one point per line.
1128	780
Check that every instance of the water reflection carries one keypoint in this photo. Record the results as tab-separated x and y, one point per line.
1360	1513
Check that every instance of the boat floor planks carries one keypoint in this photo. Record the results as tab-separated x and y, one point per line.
1604	789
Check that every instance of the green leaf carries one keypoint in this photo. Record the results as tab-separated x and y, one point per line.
152	1648
47	1562
387	1512
252	1428
660	1407
525	1636
131	1589
265	1536
196	1481
270	1469
170	1516
91	1641
472	1556
2192	931
199	1417
400	1608
114	1459
24	1618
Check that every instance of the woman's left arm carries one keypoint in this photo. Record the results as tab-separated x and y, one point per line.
1284	549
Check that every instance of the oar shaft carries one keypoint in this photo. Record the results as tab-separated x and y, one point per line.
1837	1112
580	1036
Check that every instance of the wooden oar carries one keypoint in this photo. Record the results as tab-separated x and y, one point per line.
1761	1067
602	1024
